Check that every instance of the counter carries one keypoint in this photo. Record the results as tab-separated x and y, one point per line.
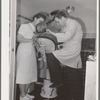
90	81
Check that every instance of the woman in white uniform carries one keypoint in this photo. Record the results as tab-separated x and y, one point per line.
26	56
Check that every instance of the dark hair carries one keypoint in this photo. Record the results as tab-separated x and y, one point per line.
39	15
62	13
53	13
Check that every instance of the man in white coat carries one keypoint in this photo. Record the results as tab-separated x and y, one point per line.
68	56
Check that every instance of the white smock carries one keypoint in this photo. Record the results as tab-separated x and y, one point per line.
26	57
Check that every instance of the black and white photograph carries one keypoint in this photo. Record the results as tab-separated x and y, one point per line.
52	50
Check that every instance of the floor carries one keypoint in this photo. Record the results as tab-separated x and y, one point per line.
37	92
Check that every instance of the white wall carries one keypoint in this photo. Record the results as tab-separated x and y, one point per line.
84	9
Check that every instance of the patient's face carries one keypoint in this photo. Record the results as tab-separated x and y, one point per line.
41	27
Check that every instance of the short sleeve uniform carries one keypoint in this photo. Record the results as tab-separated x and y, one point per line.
26	57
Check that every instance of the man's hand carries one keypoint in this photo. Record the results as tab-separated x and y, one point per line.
49	32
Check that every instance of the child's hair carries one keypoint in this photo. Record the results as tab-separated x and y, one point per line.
41	27
39	15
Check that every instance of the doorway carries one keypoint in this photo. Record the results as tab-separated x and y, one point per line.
12	48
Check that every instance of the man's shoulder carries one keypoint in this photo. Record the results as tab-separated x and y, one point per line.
73	21
76	20
76	23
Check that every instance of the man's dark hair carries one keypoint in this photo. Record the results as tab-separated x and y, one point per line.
53	13
61	14
39	15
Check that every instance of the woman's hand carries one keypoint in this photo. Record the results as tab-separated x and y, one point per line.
34	37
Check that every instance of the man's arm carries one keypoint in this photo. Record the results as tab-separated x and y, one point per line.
68	34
